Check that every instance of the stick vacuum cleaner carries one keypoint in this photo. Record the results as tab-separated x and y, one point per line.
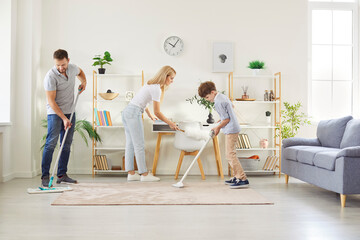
180	183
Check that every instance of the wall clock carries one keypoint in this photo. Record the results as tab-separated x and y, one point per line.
173	45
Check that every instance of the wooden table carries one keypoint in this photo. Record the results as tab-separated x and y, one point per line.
216	152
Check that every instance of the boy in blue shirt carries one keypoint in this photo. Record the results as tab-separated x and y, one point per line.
230	127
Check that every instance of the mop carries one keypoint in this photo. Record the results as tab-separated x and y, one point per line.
51	189
199	135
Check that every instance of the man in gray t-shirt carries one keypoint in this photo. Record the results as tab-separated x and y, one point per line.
59	84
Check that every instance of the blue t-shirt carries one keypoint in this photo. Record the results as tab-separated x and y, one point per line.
223	107
64	87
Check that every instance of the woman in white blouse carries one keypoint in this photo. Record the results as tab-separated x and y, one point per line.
134	129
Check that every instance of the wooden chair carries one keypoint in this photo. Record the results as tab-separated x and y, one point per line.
184	153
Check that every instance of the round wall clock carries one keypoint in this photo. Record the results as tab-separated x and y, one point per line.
173	45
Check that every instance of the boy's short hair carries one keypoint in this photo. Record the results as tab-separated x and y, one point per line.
205	88
60	54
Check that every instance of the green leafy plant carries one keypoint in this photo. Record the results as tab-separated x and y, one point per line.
81	127
202	101
106	59
292	120
256	65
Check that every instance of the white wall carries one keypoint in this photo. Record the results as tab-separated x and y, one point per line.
134	31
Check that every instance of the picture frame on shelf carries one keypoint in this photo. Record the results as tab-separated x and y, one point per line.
223	57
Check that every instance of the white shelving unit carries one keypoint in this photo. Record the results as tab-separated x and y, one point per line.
106	130
256	129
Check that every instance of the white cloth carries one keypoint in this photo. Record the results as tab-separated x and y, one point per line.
147	94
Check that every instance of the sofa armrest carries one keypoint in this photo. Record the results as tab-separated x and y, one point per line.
300	141
349	152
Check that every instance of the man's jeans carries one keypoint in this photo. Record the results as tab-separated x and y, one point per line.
56	127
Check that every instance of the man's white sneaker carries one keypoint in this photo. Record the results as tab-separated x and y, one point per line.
149	178
135	177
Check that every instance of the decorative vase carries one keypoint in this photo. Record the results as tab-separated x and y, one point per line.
256	71
210	119
101	70
268	120
264	143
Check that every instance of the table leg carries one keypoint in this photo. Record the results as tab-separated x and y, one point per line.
156	156
218	156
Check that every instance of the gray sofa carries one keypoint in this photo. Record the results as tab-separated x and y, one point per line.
330	161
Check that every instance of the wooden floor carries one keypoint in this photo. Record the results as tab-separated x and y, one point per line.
301	211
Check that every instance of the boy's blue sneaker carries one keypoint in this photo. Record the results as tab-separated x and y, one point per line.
230	181
240	184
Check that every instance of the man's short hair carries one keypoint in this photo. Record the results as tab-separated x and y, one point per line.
205	88
60	54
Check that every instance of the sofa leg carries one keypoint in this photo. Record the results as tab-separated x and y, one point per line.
343	200
286	178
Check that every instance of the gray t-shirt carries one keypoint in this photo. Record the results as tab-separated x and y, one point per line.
64	87
223	107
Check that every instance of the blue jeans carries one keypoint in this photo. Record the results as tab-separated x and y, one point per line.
134	133
56	128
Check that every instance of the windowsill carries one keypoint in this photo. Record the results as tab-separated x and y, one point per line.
5	124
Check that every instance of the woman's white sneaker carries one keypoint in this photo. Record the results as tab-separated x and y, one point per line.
149	178
135	177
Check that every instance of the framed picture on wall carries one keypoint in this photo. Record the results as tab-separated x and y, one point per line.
223	57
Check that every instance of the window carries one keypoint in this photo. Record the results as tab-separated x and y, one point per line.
333	58
5	60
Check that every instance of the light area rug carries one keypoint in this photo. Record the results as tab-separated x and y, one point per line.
158	193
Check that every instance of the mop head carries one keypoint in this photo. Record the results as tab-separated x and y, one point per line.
178	185
197	133
48	190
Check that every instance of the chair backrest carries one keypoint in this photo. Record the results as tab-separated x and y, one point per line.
183	142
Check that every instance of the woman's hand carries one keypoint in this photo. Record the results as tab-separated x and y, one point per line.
153	118
173	126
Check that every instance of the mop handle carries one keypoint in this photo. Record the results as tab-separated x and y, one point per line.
64	138
212	134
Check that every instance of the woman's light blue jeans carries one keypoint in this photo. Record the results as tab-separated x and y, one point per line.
134	133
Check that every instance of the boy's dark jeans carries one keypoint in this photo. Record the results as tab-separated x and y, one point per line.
56	128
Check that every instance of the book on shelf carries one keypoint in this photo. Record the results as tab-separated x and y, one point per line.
96	117
109	118
243	141
102	117
105	117
101	162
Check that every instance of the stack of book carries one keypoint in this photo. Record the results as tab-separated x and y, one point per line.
102	118
243	142
101	162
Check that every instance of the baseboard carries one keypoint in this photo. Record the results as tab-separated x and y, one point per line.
8	177
25	174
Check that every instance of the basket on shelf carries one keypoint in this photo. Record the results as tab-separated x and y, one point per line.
108	96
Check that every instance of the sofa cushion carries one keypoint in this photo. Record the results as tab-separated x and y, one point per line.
351	136
290	153
326	160
307	154
331	132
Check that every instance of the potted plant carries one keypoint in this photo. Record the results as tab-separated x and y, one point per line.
256	66
81	127
292	119
207	104
101	61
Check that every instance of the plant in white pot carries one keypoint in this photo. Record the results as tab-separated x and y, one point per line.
256	66
101	61
207	104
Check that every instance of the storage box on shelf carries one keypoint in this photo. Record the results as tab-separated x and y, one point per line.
106	110
251	116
